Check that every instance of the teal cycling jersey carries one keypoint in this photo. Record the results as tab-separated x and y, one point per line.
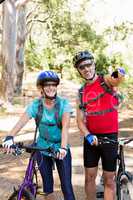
49	133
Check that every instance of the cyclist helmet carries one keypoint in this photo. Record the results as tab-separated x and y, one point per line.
82	55
46	76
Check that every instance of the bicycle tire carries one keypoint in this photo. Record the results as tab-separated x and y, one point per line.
26	195
125	191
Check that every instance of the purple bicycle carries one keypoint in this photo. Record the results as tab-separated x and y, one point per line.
28	189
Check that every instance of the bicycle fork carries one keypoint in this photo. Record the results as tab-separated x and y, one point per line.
122	176
28	179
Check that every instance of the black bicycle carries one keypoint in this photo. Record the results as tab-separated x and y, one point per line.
124	179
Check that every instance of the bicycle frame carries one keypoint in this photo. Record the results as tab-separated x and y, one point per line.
31	171
28	182
28	179
121	164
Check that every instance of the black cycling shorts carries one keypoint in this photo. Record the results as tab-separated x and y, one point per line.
107	153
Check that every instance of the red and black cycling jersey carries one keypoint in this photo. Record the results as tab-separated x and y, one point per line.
100	113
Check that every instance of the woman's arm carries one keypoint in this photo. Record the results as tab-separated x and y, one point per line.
8	141
65	128
20	124
64	135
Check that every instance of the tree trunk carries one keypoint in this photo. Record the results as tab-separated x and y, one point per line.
21	34
8	50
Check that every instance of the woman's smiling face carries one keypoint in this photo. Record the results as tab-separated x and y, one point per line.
50	88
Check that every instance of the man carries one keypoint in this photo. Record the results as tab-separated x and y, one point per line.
97	116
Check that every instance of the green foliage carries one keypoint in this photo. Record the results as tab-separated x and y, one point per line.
102	63
121	31
67	34
32	58
117	61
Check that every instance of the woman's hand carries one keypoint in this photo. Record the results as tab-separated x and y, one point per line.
62	153
8	143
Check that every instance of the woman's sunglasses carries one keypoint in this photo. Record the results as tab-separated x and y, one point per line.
50	84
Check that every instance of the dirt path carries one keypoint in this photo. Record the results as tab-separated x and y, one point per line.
12	169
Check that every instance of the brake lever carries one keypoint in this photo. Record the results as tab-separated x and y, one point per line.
17	151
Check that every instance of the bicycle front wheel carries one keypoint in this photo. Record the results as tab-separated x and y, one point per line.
26	195
125	191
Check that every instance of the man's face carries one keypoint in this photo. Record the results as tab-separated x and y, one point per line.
87	69
50	88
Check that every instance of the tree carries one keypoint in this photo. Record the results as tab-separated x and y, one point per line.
21	36
12	58
8	50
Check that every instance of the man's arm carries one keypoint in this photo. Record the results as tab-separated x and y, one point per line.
80	120
91	139
116	78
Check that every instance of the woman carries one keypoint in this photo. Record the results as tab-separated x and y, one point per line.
53	131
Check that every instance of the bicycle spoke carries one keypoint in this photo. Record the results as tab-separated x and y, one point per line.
26	195
127	191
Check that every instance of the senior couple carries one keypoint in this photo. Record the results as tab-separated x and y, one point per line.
97	116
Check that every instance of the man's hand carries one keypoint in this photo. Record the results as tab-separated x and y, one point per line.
62	153
92	139
121	71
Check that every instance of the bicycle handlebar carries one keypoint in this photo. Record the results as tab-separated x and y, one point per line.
106	140
32	148
128	141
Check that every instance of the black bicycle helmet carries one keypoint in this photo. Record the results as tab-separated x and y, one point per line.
82	55
46	76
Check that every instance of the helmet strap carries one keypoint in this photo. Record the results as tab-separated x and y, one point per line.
48	97
91	79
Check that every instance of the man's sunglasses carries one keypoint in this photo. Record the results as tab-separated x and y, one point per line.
82	67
